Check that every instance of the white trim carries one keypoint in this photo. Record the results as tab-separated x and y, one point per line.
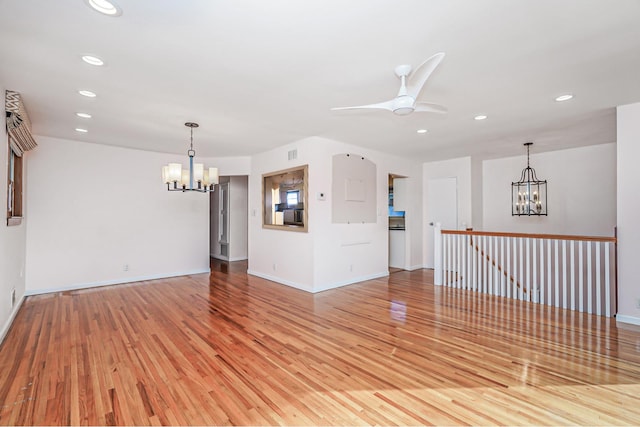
278	280
628	319
223	258
415	267
114	282
350	281
323	287
9	322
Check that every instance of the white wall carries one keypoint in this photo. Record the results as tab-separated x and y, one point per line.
628	207
349	253
94	208
476	193
329	254
581	192
455	168
281	256
12	244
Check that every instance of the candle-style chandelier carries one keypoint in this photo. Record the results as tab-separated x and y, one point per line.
197	178
529	194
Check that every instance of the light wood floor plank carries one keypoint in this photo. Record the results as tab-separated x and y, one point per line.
232	349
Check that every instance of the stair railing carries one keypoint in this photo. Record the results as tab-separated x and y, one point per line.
574	272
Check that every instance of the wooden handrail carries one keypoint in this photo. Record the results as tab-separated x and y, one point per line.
533	235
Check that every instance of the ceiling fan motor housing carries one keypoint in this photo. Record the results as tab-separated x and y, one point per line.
404	105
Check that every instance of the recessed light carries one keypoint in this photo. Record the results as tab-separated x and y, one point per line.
480	117
93	60
422	131
87	93
84	115
107	7
81	130
564	97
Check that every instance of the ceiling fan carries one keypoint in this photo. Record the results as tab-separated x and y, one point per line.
405	102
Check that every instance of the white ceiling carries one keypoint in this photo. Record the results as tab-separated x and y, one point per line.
258	74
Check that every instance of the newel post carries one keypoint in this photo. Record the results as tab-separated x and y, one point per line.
437	254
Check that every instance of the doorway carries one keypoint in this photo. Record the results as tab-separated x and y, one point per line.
228	219
397	225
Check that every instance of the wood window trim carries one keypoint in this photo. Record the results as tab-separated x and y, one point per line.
14	188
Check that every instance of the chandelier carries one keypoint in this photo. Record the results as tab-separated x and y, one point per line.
529	194
196	178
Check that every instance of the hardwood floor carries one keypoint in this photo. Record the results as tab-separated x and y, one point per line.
228	348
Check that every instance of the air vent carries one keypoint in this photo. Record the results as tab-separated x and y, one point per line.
293	154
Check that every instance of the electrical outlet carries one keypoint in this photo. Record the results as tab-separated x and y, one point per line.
13	297
350	267
637	302
275	267
125	267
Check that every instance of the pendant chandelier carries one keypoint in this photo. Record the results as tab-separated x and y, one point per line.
529	194
196	178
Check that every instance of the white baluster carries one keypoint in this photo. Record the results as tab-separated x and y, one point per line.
508	267
534	269
459	258
496	265
469	252
607	280
452	261
598	280
475	255
581	276
502	263
557	271
449	252
589	280
549	295
528	271
484	264
541	286
521	270
573	275
564	274
463	249
490	265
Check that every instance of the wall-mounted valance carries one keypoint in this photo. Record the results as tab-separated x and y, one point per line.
18	124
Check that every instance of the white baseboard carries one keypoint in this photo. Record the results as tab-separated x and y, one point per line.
224	258
279	280
628	319
416	267
320	288
12	316
350	281
114	282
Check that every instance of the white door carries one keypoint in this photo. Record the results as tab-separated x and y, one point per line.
442	207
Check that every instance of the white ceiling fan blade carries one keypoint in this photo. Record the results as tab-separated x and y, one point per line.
387	105
427	107
422	73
